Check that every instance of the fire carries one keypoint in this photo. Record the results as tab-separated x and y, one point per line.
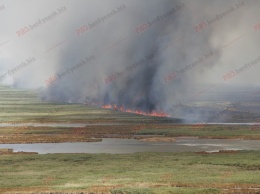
121	108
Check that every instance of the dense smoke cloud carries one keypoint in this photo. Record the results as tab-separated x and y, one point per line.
145	55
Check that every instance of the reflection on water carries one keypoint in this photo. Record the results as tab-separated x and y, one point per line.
120	146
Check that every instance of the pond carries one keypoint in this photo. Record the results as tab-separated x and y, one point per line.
121	146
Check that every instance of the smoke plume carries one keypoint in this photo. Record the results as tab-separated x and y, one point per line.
145	55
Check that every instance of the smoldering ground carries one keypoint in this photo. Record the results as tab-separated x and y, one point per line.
120	34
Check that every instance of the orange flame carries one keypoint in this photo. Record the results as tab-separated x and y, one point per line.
121	108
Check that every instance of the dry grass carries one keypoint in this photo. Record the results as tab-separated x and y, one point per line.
158	139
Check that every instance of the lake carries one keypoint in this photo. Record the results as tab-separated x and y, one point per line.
121	146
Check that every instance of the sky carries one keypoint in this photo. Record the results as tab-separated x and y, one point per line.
144	54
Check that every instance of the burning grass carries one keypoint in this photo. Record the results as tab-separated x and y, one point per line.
18	106
139	112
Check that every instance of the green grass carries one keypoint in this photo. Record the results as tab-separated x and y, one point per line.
205	131
133	173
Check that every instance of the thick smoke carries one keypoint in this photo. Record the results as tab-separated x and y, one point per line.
145	55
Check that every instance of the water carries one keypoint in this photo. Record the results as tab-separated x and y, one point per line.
121	146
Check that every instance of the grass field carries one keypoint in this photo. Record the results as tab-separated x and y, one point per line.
204	131
31	134
19	106
231	172
132	173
